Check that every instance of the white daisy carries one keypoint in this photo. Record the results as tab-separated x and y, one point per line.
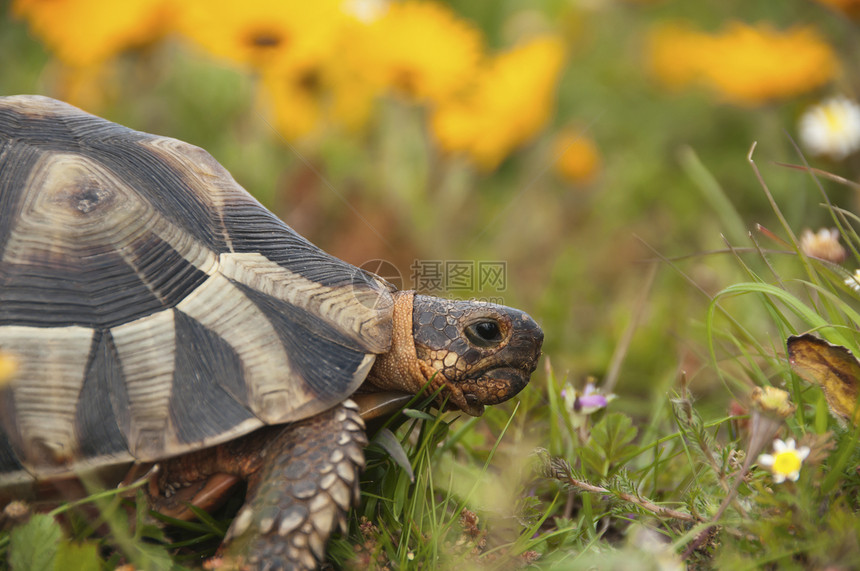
854	281
786	460
831	128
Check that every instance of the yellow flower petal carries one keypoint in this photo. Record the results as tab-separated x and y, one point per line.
511	100
419	49
773	400
675	54
578	158
87	32
744	64
265	34
294	100
333	93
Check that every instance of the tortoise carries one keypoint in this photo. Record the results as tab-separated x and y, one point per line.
159	315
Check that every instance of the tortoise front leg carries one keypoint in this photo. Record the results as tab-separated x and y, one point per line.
307	482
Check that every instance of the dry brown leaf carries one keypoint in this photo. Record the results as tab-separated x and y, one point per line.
833	367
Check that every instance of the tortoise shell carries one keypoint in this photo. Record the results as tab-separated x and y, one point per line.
153	306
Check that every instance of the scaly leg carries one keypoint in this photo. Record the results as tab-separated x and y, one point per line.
307	482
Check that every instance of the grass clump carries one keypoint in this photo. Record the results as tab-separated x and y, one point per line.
704	483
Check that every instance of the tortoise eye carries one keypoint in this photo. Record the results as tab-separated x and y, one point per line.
484	333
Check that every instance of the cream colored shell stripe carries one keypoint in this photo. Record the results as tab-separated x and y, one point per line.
236	312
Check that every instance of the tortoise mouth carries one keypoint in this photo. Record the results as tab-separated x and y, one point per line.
474	408
496	385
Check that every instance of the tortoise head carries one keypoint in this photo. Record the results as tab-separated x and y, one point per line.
480	353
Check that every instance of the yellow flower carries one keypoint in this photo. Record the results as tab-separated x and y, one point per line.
295	101
511	100
352	100
675	54
335	93
419	49
302	101
751	64
577	157
8	368
745	64
774	401
88	32
265	34
786	460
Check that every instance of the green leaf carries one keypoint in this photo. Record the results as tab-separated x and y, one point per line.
593	460
386	440
152	557
34	545
418	414
210	524
77	556
610	443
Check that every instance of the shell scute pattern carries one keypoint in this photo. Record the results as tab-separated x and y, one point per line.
154	305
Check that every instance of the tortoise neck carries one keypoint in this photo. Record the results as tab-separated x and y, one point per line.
399	369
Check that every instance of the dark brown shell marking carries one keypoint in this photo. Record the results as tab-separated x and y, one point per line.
154	306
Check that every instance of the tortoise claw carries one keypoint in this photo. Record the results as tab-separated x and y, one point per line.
207	495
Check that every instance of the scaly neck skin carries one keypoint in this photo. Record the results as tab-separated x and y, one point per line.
401	370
